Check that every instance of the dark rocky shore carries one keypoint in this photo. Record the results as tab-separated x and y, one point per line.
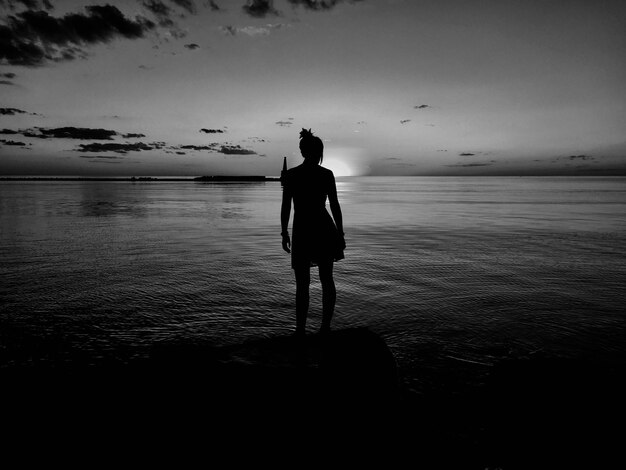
341	392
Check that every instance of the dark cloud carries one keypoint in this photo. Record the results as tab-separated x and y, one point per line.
466	154
318	5
212	131
259	8
9	131
284	123
12	142
580	157
421	106
211	147
192	46
214	6
252	31
229	30
114	147
187	5
6	82
157	7
469	165
160	10
12	111
133	136
82	133
404	121
235	150
7	75
35	37
33	4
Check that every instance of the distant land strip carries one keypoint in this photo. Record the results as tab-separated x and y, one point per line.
216	178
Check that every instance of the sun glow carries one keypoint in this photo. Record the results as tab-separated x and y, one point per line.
338	167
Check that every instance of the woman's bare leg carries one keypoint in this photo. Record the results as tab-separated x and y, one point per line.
329	295
303	279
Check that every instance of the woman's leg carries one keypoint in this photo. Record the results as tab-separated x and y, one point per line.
329	294
303	279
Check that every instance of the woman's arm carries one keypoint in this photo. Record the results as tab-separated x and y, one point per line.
285	212
335	208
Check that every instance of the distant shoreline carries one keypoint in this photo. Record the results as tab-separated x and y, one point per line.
202	179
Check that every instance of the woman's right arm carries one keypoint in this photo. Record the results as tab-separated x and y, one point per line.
285	213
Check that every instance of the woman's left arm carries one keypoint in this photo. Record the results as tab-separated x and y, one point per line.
335	208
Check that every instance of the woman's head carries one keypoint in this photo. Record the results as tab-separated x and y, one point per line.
311	147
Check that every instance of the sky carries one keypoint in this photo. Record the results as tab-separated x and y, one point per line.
393	87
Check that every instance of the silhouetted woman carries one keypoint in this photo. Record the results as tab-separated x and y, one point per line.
317	240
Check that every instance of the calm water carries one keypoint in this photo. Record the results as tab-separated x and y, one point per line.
463	270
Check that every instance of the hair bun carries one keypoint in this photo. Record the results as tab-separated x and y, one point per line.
306	134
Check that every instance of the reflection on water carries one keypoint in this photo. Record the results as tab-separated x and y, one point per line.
470	268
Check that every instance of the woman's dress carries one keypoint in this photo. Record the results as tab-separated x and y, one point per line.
315	238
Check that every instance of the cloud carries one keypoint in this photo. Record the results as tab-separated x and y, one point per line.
235	150
115	147
187	5
284	123
34	4
252	31
260	8
160	10
214	6
13	142
192	46
404	121
318	5
421	106
469	165
466	154
212	131
83	133
581	157
211	148
29	4
8	75
35	37
133	136
6	82
12	111
9	131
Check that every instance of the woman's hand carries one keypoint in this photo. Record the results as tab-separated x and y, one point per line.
286	242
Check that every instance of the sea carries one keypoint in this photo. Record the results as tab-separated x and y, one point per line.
452	272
